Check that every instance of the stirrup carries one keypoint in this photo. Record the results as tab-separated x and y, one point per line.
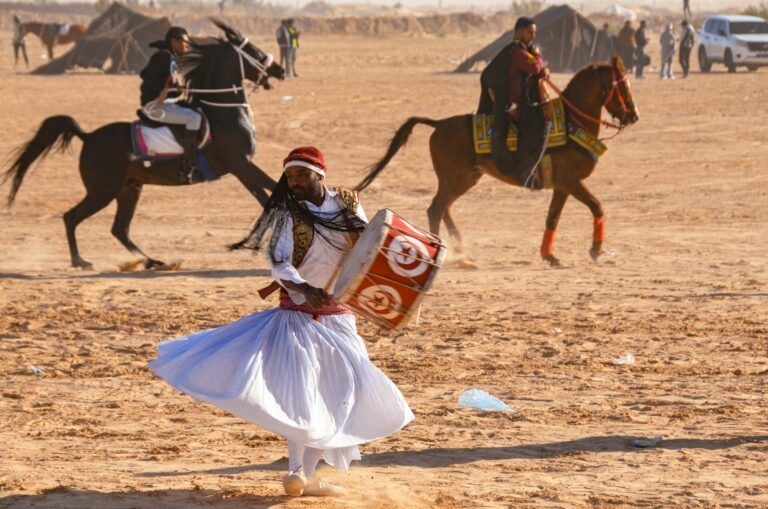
192	177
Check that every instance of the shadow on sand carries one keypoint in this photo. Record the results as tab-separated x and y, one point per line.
144	274
63	496
276	466
446	457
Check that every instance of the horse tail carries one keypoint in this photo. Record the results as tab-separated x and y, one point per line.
398	141
54	133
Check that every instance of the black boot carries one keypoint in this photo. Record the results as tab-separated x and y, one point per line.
189	170
503	158
508	165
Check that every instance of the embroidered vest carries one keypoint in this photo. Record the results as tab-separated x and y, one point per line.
303	234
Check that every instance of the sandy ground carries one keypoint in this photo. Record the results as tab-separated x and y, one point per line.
686	195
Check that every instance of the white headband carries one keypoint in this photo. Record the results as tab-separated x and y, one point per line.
305	164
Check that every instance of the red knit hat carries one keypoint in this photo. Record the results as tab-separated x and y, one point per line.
307	157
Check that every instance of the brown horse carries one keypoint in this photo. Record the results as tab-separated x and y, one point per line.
52	34
458	168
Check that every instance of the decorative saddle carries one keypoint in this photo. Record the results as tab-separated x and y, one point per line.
562	130
155	141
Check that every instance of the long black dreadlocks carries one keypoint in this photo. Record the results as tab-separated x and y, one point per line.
282	205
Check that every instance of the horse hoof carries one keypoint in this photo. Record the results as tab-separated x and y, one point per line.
460	263
82	264
157	265
465	264
596	253
553	261
150	264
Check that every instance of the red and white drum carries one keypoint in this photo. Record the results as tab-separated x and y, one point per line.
389	270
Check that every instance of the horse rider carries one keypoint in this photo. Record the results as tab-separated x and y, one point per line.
505	95
159	99
18	41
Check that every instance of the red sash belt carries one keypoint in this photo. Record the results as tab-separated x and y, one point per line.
334	308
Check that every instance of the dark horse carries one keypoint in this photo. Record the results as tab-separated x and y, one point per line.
109	171
458	168
50	34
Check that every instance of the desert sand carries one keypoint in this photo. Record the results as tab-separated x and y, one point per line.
685	291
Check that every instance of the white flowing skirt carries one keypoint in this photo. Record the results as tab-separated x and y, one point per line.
309	381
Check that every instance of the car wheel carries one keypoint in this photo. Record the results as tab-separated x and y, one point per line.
704	64
729	61
752	68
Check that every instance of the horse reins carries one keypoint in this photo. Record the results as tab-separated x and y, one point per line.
242	56
614	89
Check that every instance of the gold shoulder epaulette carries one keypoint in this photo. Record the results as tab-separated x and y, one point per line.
348	197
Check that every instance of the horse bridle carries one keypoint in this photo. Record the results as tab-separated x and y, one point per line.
608	96
615	89
242	57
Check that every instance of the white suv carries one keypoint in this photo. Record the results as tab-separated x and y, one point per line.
733	41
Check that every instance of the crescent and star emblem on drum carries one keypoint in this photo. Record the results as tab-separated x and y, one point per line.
408	256
382	300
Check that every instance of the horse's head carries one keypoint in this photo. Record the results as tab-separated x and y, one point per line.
256	65
618	99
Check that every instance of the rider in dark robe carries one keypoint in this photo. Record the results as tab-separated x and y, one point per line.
159	100
510	91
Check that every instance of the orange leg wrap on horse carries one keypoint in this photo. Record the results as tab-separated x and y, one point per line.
548	243
599	232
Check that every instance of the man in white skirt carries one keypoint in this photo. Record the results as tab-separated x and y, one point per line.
299	370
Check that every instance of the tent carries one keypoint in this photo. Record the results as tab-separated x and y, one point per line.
566	38
117	41
619	12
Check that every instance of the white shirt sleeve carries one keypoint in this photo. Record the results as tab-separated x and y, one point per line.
361	212
285	271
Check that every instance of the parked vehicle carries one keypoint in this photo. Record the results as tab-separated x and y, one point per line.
734	41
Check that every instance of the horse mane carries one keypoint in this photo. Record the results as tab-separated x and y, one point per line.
194	64
576	82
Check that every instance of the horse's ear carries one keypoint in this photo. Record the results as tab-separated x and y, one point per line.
233	36
618	64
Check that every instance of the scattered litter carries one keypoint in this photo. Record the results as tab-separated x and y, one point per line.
475	398
557	330
35	370
627	360
646	442
287	98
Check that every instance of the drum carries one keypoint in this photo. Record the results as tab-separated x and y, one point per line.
389	270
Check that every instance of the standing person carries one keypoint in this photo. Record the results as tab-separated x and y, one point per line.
294	33
284	43
625	44
641	41
505	85
687	8
299	370
222	5
686	45
667	40
158	98
606	44
18	42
